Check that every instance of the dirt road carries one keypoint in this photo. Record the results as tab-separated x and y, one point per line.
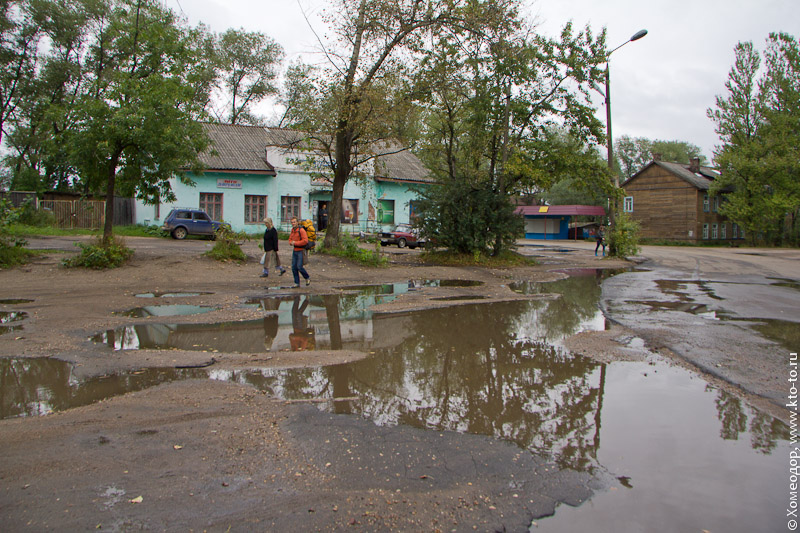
222	456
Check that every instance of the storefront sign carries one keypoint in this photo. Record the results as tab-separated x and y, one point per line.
224	183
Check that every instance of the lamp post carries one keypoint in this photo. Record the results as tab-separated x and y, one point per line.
609	139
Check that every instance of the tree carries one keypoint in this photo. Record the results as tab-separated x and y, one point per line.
759	126
497	95
632	154
357	102
248	64
134	123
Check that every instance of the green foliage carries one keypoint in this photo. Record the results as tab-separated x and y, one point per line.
12	247
102	254
624	240
227	245
348	248
759	124
248	64
468	220
631	154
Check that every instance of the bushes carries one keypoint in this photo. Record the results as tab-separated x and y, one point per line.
349	249
624	240
100	255
226	247
12	248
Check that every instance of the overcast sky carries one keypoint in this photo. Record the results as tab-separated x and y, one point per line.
661	85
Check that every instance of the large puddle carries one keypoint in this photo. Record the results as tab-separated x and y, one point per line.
685	455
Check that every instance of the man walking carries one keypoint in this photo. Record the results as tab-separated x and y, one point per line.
298	239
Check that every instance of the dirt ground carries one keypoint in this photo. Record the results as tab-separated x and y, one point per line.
204	455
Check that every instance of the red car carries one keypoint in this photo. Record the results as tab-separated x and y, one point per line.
403	235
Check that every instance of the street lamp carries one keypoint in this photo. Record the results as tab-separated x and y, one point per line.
609	139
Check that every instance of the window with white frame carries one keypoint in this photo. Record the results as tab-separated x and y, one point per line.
716	204
714	231
627	205
705	231
734	231
705	203
723	231
255	208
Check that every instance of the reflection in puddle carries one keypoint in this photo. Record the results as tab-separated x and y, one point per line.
165	310
785	333
493	369
458	298
682	306
33	387
7	317
15	301
170	294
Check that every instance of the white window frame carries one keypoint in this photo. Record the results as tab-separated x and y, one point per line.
627	205
705	232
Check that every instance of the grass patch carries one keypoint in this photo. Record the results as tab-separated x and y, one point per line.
100	256
348	249
27	230
505	259
16	255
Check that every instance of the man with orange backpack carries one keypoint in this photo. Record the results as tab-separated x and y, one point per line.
298	239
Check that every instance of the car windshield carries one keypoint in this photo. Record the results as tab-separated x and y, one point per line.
403	227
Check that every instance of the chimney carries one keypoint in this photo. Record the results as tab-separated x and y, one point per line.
656	156
694	165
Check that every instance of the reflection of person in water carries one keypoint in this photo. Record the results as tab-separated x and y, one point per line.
302	337
270	331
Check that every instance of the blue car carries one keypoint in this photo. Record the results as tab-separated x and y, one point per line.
183	221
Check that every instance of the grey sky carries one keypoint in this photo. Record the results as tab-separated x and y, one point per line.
661	85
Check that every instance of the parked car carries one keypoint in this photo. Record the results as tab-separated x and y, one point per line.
184	221
403	235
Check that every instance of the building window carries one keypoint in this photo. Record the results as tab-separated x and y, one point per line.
627	206
714	231
723	231
734	231
705	203
211	203
349	211
412	210
385	211
705	231
716	204
255	209
290	207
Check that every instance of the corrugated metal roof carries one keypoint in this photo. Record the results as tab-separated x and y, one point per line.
237	148
701	179
243	148
547	210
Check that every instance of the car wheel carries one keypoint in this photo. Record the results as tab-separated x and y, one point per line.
179	233
401	243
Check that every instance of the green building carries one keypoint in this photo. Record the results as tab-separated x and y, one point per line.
253	172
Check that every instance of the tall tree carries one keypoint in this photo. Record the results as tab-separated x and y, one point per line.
248	69
361	95
496	95
134	125
759	126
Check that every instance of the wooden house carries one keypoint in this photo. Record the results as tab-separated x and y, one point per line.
672	201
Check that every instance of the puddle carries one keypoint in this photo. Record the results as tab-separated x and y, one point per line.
165	310
15	301
682	306
785	333
684	453
170	294
786	282
8	317
413	284
34	387
458	298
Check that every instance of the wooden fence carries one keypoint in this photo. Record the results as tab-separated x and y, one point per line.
71	214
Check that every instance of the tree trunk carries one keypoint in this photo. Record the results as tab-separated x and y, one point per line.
108	227
340	175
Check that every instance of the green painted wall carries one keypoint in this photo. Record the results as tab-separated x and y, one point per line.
234	188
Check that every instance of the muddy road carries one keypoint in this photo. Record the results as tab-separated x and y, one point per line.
179	393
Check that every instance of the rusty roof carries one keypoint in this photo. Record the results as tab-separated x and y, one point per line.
701	179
